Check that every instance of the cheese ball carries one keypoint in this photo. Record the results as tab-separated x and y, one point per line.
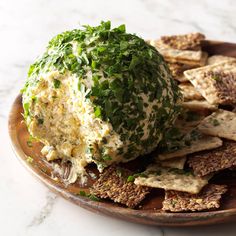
99	95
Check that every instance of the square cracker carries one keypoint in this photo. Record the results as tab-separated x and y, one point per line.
199	105
195	145
192	58
113	184
218	59
208	199
190	41
177	163
189	92
177	70
171	179
221	123
216	83
207	162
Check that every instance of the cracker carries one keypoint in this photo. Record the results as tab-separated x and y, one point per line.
195	145
188	120
177	163
207	162
221	123
216	83
189	92
218	59
193	58
177	70
196	105
171	179
190	41
208	199
113	184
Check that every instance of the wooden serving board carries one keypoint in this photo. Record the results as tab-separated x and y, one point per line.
150	211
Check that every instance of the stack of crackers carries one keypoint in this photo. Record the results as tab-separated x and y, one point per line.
201	143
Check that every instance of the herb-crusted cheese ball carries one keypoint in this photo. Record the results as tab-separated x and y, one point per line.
99	95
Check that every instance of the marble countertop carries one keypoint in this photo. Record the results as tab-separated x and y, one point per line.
26	206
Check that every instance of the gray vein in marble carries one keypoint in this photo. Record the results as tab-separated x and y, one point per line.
45	211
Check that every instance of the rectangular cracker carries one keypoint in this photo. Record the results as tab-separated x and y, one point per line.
191	41
196	105
184	48
113	184
177	70
208	199
216	83
189	92
200	144
177	163
193	58
171	179
207	162
218	59
221	123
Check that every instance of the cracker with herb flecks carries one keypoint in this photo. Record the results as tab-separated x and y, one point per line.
193	58
190	41
192	145
218	59
188	120
171	179
177	70
196	105
177	163
208	199
216	83
185	49
207	162
189	92
221	123
114	184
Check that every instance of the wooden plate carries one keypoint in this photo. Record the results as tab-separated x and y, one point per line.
150	212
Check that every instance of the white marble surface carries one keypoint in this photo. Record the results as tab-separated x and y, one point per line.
26	206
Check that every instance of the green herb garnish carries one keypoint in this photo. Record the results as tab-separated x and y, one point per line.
88	195
56	83
130	178
215	122
40	121
29	159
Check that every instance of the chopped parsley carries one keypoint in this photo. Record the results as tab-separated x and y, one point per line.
56	83
130	178
29	159
40	121
215	122
29	143
125	75
90	196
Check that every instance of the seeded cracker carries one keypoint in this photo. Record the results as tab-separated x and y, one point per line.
185	49
196	105
189	92
207	199
193	58
203	143
221	123
216	83
190	41
171	179
207	162
113	184
218	59
177	70
177	163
